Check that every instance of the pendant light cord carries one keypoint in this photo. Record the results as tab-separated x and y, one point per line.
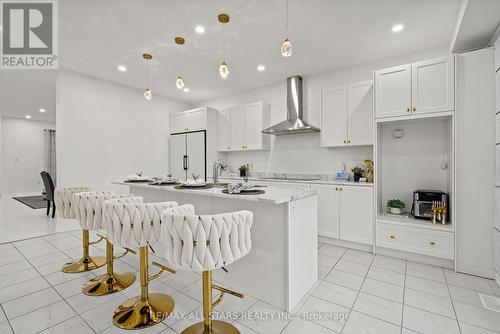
223	46
147	74
286	18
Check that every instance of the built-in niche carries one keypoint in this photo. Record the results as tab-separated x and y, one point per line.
413	154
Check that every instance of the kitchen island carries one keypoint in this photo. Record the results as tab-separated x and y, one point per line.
282	265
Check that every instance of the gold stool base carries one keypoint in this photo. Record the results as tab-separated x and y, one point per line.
84	264
218	327
108	283
137	314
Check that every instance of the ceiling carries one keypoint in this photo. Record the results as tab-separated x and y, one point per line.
25	92
96	36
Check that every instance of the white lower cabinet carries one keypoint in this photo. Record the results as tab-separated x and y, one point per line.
345	212
416	240
356	214
328	210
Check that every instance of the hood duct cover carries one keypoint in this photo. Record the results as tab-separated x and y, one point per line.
294	122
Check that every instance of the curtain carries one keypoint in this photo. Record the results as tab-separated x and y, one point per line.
49	153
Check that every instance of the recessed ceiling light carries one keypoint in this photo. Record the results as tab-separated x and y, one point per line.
261	68
28	116
42	110
397	27
122	68
200	29
186	90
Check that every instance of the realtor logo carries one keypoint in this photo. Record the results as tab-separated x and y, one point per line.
29	34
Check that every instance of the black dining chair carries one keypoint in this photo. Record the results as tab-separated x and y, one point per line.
49	192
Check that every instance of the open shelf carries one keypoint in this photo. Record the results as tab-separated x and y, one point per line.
412	222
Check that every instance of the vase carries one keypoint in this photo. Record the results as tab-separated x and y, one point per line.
395	211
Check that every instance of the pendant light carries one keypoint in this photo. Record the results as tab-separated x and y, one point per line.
148	95
223	68
286	47
179	82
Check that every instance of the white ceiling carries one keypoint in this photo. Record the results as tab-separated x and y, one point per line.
26	92
97	35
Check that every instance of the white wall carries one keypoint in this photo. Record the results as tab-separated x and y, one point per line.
106	131
302	153
22	155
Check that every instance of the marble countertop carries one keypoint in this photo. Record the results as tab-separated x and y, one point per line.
273	195
289	179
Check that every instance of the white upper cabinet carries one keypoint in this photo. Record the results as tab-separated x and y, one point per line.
223	133
433	85
240	128
356	214
360	113
421	88
190	120
256	117
347	115
334	116
393	91
237	128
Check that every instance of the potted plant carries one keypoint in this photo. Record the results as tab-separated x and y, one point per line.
395	206
244	169
358	172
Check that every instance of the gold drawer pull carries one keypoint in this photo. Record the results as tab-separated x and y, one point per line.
414	109
432	243
392	237
407	109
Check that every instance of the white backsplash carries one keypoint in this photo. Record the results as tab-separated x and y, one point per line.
300	154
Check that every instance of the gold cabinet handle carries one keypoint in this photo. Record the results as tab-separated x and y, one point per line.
340	189
348	141
414	109
337	188
345	141
407	109
392	237
432	243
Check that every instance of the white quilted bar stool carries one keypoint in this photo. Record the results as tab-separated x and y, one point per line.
63	198
135	226
203	244
90	209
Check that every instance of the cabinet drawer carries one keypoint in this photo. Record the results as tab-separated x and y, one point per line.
416	240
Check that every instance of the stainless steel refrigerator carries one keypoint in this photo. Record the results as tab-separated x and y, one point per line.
188	155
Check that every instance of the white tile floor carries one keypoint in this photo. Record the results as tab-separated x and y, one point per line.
19	221
380	295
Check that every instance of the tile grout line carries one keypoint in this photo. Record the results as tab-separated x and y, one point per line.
357	295
452	303
65	301
404	294
6	319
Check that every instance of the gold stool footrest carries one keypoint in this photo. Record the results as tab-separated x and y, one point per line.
137	313
101	238
163	269
108	283
223	291
127	250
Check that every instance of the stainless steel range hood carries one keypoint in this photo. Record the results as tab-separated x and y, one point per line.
294	122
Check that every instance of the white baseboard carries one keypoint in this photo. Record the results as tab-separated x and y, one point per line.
346	244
